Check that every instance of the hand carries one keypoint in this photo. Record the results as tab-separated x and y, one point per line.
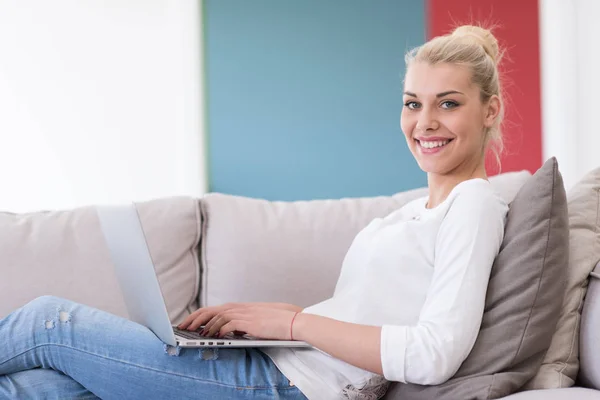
202	315
261	322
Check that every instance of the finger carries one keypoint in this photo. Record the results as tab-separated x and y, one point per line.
215	324
209	311
236	325
202	319
188	320
223	318
208	324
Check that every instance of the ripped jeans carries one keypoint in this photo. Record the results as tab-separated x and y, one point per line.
53	348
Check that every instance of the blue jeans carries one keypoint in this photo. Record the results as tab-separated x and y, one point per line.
57	349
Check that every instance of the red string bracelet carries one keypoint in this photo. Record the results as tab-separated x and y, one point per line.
292	326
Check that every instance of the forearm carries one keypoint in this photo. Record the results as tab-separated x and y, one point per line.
358	345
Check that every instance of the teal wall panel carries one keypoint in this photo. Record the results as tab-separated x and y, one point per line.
304	97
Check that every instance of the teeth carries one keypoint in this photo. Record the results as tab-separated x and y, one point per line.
435	143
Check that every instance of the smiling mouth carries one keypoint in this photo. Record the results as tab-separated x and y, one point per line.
433	144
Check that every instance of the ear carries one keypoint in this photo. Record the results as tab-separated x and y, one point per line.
492	111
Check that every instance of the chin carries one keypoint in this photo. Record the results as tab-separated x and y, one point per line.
436	170
433	167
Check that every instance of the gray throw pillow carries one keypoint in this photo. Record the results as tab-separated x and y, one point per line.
523	301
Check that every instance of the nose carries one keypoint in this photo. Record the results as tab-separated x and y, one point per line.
427	121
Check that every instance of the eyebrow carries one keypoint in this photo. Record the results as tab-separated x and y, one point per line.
443	94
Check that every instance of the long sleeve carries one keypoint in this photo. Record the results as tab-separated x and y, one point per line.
467	243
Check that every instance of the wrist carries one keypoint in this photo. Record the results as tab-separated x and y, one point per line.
299	326
295	308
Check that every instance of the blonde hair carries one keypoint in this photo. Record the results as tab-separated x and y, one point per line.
477	49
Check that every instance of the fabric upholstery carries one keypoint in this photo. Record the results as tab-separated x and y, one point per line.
523	301
561	363
63	253
589	373
556	394
258	250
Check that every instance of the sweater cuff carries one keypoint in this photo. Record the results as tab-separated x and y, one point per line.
393	352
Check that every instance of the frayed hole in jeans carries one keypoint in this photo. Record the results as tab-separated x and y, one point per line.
64	316
209	354
172	350
49	324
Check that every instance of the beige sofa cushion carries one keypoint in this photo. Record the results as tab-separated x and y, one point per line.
63	253
257	250
561	364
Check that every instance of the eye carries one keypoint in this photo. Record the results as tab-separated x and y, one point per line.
412	105
448	104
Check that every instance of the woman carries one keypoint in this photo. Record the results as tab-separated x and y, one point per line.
407	306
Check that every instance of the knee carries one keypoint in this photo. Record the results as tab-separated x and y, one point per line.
46	302
51	309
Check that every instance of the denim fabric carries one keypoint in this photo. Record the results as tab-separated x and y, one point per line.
55	348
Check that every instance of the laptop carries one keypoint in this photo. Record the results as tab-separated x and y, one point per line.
143	298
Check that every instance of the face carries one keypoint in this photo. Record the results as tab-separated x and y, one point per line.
444	119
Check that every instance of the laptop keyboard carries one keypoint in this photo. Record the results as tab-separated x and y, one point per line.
189	334
196	335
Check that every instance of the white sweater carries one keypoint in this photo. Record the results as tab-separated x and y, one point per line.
422	275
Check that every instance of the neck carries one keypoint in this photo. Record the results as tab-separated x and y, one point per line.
440	185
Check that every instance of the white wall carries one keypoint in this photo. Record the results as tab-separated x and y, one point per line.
588	83
570	59
100	102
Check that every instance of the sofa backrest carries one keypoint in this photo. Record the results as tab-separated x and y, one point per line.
63	253
257	250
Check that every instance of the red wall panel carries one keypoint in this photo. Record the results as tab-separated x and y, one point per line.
517	29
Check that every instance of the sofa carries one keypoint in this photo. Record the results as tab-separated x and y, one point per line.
222	248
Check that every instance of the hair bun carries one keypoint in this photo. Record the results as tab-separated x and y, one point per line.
482	36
